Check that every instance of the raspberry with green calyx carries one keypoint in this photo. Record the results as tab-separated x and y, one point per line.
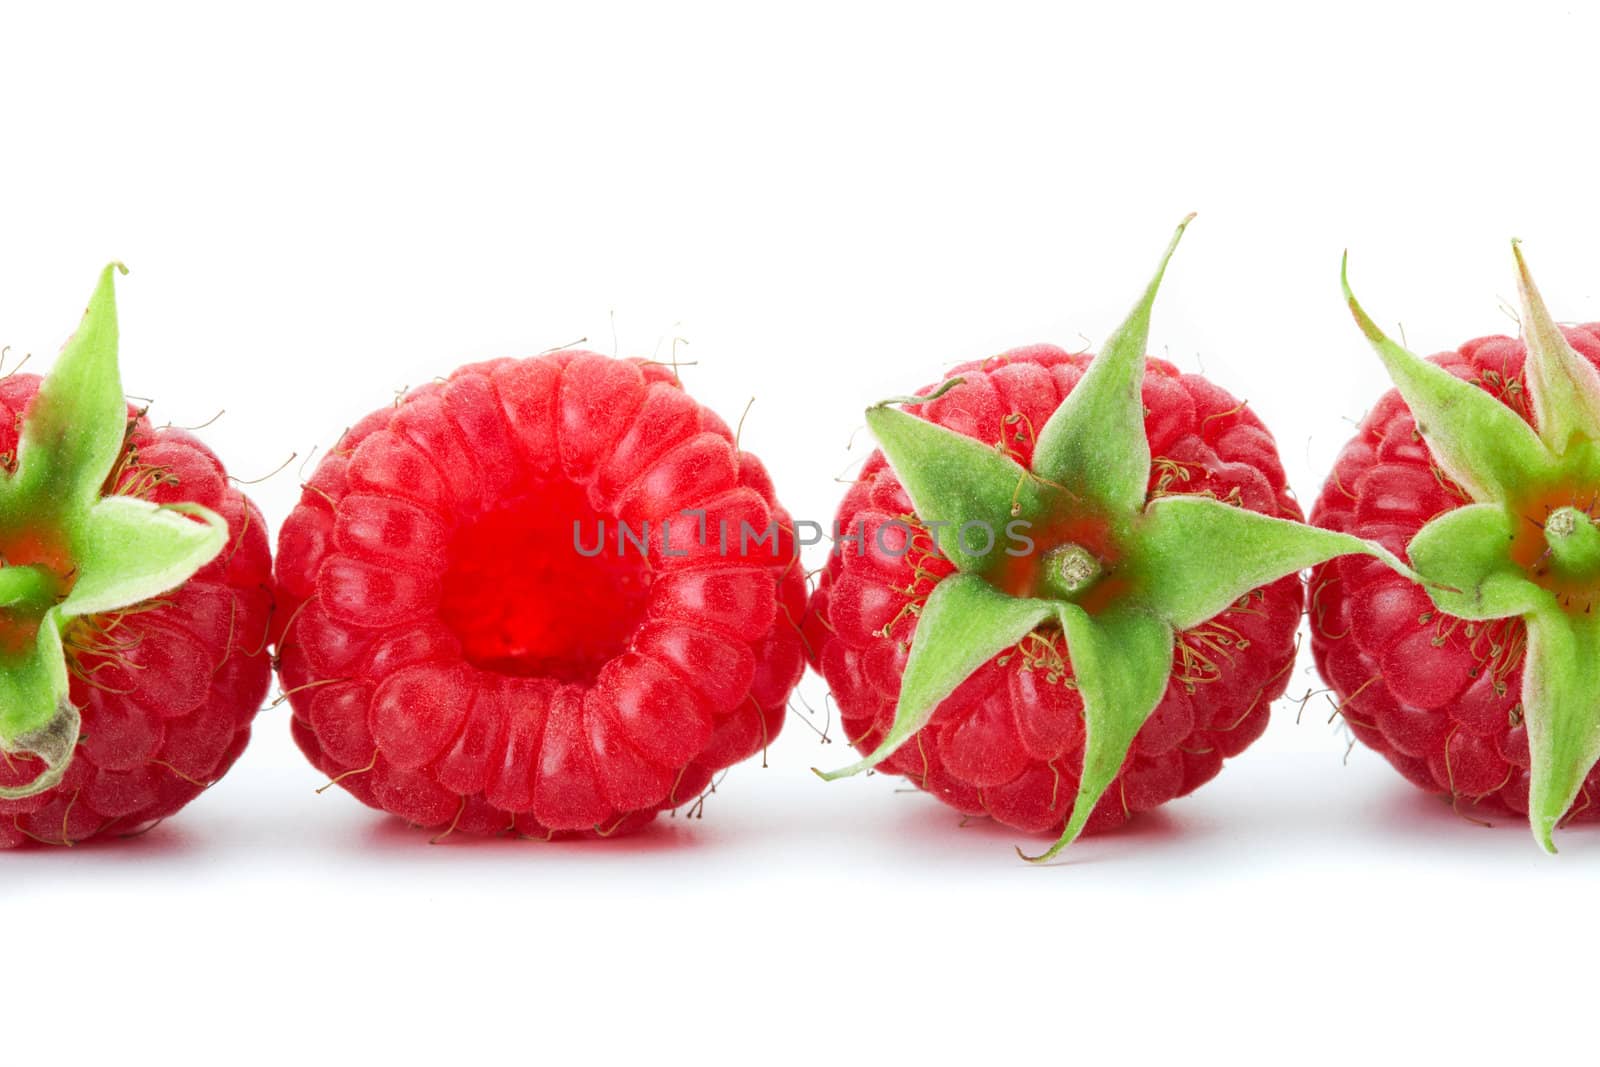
1497	700
1092	620
71	549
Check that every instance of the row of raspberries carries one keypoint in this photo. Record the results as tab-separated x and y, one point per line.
553	597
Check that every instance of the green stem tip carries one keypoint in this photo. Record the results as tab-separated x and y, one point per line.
1573	540
1070	570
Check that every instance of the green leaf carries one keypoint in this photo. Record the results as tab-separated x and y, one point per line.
964	623
129	550
953	480
37	717
1564	386
1464	553
1479	442
1194	555
73	431
1120	662
1561	707
1095	441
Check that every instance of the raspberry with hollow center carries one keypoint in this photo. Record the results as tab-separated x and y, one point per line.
500	613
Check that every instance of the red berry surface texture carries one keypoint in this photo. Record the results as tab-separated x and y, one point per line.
1133	643
1483	467
135	598
463	649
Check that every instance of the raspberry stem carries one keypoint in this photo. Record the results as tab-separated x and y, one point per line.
1069	570
1574	542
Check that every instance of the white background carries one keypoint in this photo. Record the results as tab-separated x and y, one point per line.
321	206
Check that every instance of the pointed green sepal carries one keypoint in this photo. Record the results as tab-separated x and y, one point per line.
1561	707
73	432
953	481
1193	555
1465	554
130	550
1121	662
1479	442
965	623
1095	442
37	718
1564	386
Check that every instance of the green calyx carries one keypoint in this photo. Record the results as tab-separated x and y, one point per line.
66	550
1527	546
1119	575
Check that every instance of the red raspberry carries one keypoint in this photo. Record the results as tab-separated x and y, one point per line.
455	656
1484	468
1009	742
1071	581
1440	697
165	687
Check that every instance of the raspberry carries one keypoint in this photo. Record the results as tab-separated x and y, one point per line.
1008	743
1112	656
508	607
1481	466
165	686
